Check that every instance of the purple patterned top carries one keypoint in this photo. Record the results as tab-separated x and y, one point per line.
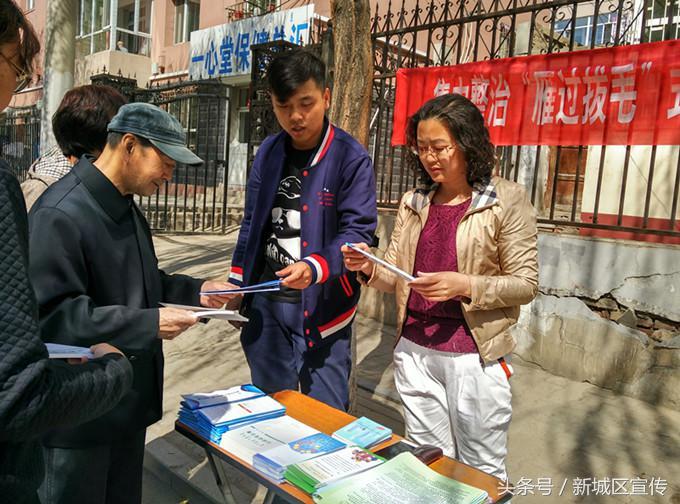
439	326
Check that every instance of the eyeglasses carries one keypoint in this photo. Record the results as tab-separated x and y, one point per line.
23	75
437	151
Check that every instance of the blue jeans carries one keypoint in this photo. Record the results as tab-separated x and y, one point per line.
279	358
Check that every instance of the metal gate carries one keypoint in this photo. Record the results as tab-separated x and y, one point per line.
198	198
437	33
20	138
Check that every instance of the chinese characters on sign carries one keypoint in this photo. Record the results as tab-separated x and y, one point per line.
586	487
222	51
628	95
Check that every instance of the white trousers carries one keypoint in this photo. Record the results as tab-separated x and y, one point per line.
452	401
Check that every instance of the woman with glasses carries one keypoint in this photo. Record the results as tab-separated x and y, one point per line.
469	238
36	394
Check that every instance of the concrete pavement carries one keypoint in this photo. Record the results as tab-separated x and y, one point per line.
562	431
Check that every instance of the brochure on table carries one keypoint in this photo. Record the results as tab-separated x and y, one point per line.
275	461
230	395
404	476
320	471
363	432
212	422
248	440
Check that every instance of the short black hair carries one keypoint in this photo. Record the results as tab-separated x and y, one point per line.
291	69
79	124
114	138
466	124
14	27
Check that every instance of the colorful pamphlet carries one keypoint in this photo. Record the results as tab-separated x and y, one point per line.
275	461
363	432
404	479
245	441
317	472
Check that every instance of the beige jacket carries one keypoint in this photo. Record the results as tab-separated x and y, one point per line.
496	246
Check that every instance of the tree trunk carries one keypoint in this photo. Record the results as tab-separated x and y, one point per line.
353	67
60	52
351	99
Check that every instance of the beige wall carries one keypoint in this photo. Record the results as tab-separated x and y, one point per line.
129	65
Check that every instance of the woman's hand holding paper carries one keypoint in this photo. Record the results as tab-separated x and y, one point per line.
441	285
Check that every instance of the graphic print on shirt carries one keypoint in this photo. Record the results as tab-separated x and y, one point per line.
283	245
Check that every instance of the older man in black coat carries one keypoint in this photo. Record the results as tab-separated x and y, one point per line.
97	279
36	393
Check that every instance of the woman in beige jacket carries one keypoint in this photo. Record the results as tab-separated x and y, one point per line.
469	238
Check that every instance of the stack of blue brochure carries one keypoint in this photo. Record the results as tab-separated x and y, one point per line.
212	414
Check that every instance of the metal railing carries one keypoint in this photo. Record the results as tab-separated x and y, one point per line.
198	198
20	138
442	32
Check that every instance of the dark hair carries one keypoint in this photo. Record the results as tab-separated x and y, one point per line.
291	69
114	138
80	122
466	123
14	27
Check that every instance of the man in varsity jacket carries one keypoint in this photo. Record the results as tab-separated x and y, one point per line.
311	189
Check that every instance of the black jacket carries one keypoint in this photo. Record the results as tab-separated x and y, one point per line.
96	277
36	393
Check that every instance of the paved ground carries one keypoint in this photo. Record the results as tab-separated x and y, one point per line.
562	431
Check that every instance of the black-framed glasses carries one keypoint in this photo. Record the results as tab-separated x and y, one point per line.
23	75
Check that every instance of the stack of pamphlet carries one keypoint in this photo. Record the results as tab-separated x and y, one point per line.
248	440
236	393
320	471
275	461
363	432
210	415
404	479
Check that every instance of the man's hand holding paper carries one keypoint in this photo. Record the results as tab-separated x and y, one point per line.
173	322
219	294
296	276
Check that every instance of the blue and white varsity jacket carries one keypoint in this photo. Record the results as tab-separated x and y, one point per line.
337	205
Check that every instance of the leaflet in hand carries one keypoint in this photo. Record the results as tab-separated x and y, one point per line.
363	432
203	312
385	264
230	395
271	286
320	471
58	351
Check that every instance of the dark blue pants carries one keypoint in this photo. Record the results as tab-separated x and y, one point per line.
100	474
279	358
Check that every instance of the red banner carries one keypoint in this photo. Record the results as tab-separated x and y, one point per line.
626	95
